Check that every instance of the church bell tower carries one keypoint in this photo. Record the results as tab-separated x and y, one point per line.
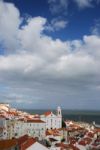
59	113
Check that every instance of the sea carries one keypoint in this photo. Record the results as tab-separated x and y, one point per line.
75	115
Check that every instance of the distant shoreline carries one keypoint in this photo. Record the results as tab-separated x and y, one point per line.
73	112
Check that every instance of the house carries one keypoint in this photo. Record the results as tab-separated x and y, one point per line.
53	136
53	121
28	143
36	128
64	146
4	107
3	127
64	133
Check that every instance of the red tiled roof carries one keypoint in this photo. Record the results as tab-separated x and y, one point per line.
2	116
47	113
90	134
53	132
36	116
21	119
72	140
97	129
27	143
85	141
35	121
7	144
67	146
22	139
48	133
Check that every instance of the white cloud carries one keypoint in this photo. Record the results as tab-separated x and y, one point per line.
9	23
96	28
59	24
61	6
58	6
43	63
56	24
85	3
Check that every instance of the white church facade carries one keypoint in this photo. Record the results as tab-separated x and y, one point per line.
53	121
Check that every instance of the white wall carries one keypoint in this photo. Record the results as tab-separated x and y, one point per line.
37	146
36	129
52	121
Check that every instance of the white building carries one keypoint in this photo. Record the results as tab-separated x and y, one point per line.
19	128
4	107
11	128
15	123
53	121
3	128
36	128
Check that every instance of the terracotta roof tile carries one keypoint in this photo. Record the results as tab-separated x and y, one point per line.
67	146
35	121
7	144
47	113
27	143
22	139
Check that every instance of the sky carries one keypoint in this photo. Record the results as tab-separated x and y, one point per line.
50	54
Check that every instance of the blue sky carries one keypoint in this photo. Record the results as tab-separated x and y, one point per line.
80	19
50	53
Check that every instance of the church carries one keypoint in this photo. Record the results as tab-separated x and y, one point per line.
53	121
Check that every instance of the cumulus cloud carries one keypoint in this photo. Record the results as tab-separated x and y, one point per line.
85	3
9	24
57	24
45	68
58	6
61	6
96	28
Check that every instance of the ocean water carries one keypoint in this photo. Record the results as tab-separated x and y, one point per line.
85	116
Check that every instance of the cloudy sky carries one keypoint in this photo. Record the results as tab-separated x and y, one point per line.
50	53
